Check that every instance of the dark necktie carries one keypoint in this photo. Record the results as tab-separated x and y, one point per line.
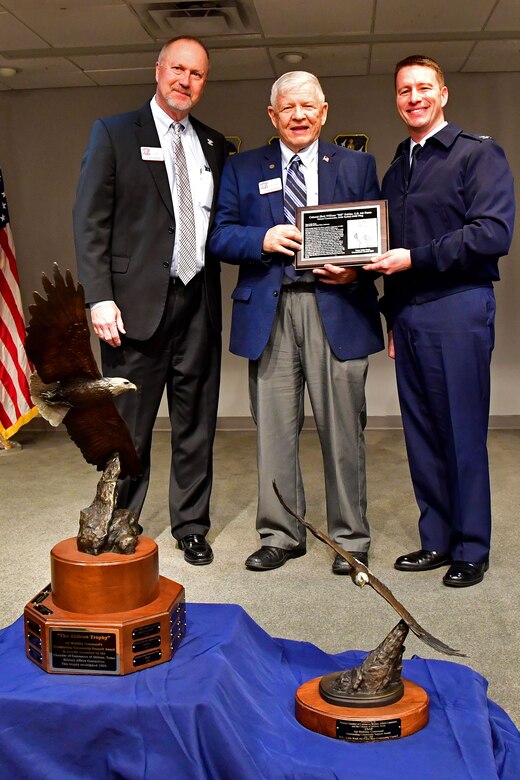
416	151
295	196
187	244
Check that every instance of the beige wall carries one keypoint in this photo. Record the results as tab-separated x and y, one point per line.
43	135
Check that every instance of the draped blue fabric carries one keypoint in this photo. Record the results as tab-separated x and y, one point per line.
223	709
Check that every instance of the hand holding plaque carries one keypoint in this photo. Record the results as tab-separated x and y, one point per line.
342	233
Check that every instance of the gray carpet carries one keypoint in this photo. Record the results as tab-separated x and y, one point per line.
47	483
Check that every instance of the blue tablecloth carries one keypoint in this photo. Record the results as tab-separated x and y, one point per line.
223	708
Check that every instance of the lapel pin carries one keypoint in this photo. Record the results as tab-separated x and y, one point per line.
271	166
210	142
325	158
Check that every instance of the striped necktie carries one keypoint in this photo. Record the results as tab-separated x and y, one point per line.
295	194
187	243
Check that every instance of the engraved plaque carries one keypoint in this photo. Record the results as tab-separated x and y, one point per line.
35	628
146	644
142	631
147	658
345	234
34	640
368	731
83	651
35	655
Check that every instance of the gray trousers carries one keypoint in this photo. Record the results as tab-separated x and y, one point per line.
298	355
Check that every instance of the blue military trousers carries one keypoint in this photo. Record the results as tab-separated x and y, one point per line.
443	355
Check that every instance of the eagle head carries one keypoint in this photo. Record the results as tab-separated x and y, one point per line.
118	385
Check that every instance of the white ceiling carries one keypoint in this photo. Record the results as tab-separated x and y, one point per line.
84	43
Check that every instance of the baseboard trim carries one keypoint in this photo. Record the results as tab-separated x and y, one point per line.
387	422
375	423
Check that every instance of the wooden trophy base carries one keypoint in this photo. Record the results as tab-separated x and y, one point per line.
106	614
362	724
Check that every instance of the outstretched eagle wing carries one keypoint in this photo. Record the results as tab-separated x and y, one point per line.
58	345
374	583
58	337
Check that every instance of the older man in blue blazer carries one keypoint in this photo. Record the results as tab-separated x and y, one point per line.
313	330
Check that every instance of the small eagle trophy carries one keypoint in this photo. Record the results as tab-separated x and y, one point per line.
107	610
68	388
372	701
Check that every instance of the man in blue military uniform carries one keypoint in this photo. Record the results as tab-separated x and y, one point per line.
451	208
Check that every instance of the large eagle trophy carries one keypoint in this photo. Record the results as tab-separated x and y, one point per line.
68	387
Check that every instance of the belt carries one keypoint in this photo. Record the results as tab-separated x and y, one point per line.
299	287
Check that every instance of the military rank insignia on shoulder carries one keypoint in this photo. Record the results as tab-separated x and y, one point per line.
477	137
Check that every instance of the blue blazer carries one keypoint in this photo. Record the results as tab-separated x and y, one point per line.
349	312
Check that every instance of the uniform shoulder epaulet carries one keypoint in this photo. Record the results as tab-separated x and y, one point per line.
476	137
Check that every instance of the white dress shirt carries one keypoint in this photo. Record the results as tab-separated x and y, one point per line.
201	178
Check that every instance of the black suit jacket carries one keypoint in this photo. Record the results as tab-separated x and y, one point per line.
124	225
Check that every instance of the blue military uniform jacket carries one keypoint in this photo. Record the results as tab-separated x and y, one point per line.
349	312
457	216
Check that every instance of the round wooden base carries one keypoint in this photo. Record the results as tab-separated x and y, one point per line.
362	724
109	582
105	614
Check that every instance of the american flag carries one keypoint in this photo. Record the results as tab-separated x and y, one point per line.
16	407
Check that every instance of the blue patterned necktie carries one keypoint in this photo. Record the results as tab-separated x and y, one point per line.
295	196
187	244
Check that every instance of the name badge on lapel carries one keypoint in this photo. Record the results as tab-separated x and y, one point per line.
152	153
270	185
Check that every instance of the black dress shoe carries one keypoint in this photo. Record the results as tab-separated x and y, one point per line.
341	566
422	560
462	574
267	558
196	549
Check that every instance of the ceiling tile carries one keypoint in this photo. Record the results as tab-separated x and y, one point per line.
506	16
403	16
494	56
15	35
237	64
81	24
315	18
450	55
346	60
41	74
127	60
123	76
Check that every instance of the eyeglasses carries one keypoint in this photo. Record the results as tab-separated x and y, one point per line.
178	70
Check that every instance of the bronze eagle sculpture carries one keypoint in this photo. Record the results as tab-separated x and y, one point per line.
361	576
68	385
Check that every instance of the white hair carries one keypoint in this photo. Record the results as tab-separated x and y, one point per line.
295	79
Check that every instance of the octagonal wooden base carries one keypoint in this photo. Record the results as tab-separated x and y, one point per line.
362	724
106	614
